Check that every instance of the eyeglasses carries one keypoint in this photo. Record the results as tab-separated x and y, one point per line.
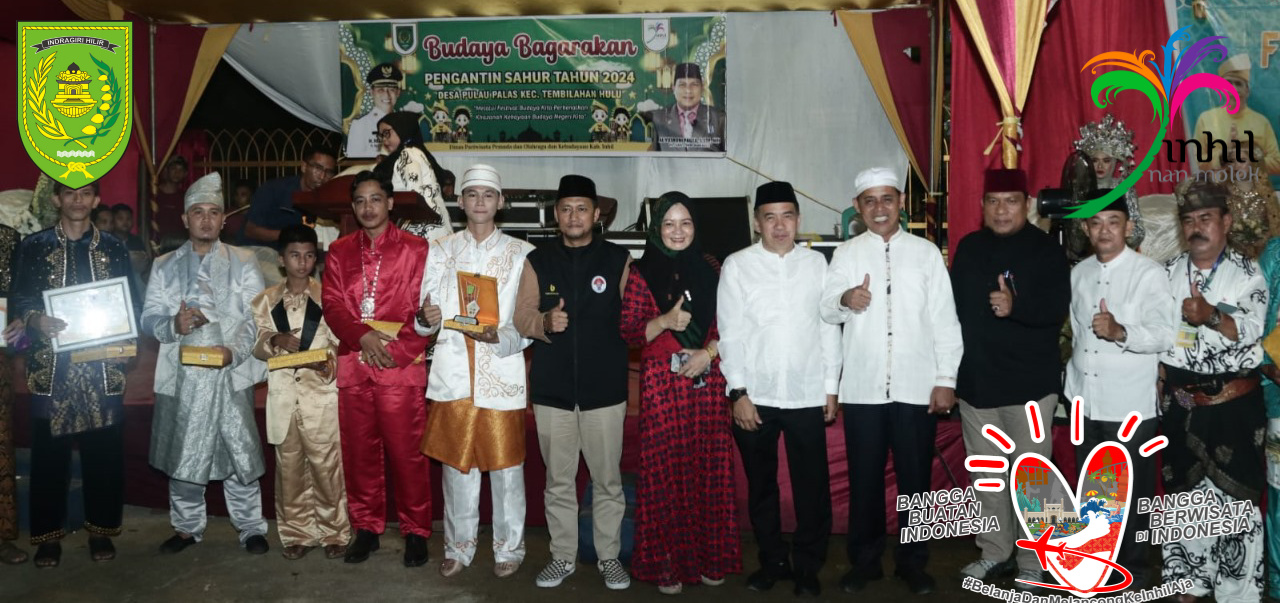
383	134
322	169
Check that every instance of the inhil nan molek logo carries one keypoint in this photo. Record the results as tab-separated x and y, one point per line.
1165	88
1076	535
75	94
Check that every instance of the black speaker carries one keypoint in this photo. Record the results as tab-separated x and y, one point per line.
724	223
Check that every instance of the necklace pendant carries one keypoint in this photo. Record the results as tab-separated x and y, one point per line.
366	306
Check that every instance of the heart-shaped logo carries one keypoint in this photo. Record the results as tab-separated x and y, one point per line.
1076	535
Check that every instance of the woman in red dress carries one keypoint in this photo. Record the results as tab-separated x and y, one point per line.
686	527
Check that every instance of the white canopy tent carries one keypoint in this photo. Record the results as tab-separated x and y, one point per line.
800	108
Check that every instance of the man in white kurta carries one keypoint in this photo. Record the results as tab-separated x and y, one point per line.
477	383
1122	318
203	428
902	349
771	327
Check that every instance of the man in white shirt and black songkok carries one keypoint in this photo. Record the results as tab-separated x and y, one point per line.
902	349
770	326
1122	319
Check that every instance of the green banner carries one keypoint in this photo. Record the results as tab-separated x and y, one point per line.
565	86
74	88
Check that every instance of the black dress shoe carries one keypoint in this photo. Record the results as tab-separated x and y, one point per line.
176	543
764	578
856	580
807	585
918	582
364	544
415	550
257	545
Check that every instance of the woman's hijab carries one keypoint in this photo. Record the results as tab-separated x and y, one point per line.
405	125
680	274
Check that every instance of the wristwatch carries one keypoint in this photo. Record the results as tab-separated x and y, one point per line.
1215	319
736	393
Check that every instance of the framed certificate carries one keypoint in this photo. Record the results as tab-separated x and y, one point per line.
96	314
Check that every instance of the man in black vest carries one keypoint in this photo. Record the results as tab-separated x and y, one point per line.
570	303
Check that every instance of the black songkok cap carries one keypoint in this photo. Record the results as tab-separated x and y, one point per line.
775	192
688	70
574	185
1120	205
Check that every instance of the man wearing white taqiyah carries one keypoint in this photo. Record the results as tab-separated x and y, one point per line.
1244	125
477	383
1122	319
902	348
200	295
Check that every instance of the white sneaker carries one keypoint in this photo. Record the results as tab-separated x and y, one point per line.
986	569
615	576
1030	575
555	572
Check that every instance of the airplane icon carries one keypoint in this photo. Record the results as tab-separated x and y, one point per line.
1042	547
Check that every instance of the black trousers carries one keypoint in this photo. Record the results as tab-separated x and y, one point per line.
870	432
806	443
102	473
1134	556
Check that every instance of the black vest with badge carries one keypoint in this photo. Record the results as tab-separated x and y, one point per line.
586	365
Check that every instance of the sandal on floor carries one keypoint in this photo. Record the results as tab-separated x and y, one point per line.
49	554
101	548
671	589
10	554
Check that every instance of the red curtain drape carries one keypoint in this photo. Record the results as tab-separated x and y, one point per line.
896	31
1058	102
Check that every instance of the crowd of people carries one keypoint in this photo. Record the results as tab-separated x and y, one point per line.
775	342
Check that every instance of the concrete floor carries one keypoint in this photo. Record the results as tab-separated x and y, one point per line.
218	570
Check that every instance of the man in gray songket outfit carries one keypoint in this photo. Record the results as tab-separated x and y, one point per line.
199	297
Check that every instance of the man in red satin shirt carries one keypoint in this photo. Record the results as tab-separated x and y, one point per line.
372	277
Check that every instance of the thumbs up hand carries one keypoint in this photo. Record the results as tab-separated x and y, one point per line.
858	298
429	314
676	319
1105	325
555	320
1002	299
1195	310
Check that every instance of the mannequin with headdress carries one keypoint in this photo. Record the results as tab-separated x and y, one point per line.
1109	144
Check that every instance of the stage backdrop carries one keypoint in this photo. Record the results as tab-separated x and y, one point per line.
567	86
1251	27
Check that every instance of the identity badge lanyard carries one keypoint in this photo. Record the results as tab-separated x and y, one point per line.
1186	333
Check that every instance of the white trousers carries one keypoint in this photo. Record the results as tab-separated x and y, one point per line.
188	515
462	513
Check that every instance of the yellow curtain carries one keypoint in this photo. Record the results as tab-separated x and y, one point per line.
212	46
863	36
1028	18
